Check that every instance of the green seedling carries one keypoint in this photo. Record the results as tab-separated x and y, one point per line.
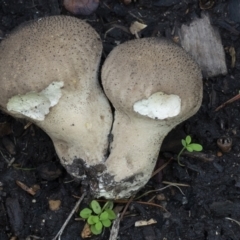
98	217
189	146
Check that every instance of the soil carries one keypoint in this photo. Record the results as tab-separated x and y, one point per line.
205	205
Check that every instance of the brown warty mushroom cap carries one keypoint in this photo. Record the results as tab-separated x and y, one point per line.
49	71
153	85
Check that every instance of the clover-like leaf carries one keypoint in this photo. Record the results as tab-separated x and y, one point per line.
188	139
196	147
85	213
94	230
95	207
106	223
189	148
108	205
184	142
95	219
111	214
103	215
99	226
90	220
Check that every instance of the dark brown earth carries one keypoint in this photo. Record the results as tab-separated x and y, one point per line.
207	209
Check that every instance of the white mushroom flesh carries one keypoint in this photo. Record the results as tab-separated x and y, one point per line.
36	105
159	106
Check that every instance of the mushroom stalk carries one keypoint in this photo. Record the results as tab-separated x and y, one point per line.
131	137
75	135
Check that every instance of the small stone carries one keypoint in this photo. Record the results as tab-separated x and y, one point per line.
219	154
81	7
54	205
161	197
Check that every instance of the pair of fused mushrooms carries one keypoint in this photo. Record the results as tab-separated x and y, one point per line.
49	76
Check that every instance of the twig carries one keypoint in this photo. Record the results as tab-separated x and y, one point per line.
113	26
33	237
235	98
161	168
126	207
154	205
144	203
152	191
177	186
231	219
139	19
115	228
68	219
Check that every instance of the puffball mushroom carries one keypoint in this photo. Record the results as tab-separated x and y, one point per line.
153	85
49	75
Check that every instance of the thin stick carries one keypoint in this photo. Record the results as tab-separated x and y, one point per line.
176	184
161	168
235	98
126	207
231	219
153	204
151	191
69	217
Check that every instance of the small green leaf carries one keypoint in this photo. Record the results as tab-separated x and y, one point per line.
184	143
99	226
104	216
189	148
106	223
95	219
188	139
94	230
108	205
196	147
85	213
111	214
95	207
90	220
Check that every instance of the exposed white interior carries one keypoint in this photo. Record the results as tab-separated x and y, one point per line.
53	92
36	105
159	105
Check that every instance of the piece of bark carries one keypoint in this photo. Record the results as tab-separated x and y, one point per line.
15	215
115	228
203	42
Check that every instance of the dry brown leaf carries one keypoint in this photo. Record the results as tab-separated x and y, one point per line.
5	129
145	223
232	53
136	27
86	232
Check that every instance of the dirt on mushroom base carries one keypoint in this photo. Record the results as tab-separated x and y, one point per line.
214	184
